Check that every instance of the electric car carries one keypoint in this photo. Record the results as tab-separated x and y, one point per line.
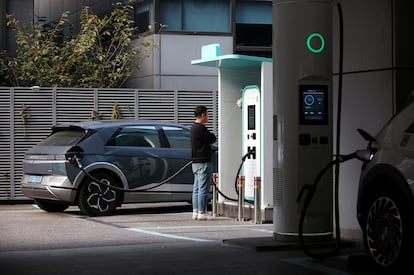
100	165
385	206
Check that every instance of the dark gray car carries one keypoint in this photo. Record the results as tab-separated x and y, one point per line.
137	157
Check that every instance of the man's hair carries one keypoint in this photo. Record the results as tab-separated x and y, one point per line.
199	110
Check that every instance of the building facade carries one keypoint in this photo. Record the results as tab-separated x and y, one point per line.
177	28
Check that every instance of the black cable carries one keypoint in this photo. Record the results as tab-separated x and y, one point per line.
157	184
338	128
235	181
238	173
74	158
222	194
311	191
88	175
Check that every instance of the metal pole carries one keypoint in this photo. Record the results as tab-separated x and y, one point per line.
256	185
240	212
215	182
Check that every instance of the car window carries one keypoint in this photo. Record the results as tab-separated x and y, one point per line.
177	137
138	136
63	138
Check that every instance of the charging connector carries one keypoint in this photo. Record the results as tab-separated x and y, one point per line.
251	153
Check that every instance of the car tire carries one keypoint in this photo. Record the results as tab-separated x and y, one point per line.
386	232
97	199
51	206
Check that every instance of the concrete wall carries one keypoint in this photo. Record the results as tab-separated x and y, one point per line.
403	49
169	64
378	68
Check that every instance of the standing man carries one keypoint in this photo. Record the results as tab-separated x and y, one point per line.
201	140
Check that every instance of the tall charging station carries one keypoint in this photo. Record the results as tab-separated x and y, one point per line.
302	53
251	138
243	127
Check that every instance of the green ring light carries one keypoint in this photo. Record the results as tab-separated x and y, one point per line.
308	42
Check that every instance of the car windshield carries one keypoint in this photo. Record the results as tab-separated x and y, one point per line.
63	138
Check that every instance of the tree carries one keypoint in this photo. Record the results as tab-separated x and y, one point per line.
99	55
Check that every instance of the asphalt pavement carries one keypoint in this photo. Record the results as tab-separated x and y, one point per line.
154	239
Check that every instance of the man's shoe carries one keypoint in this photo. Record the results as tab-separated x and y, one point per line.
203	217
195	214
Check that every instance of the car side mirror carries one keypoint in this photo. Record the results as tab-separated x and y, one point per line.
365	135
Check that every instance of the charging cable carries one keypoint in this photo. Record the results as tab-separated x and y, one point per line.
363	155
310	188
75	159
244	157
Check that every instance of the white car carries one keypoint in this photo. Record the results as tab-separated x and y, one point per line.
385	206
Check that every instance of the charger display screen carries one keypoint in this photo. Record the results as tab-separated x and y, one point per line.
313	104
251	117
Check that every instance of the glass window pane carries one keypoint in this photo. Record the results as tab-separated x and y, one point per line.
195	15
143	16
254	12
206	15
178	137
170	15
63	138
138	136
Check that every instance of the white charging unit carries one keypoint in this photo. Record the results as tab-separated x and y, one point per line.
251	138
248	78
302	46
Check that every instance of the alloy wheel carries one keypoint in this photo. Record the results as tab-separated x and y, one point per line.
384	231
100	196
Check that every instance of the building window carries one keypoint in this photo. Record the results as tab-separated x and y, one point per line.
254	28
144	16
195	15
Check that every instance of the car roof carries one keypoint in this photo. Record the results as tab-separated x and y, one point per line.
98	124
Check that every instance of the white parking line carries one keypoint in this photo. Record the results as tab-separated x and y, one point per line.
209	226
171	236
264	230
149	230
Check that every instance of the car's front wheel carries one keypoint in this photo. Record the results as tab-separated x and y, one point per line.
387	231
97	199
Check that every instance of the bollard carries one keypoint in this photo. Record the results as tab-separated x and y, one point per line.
214	177
240	212
257	181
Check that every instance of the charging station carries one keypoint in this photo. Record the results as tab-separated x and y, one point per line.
303	105
250	127
251	138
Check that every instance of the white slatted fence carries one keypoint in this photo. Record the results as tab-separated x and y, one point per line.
46	107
